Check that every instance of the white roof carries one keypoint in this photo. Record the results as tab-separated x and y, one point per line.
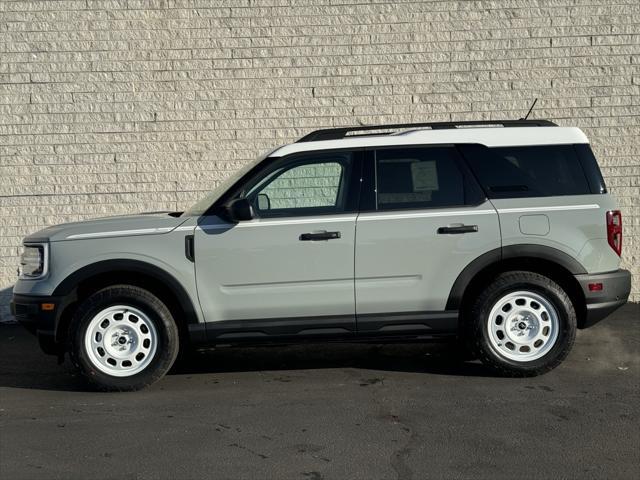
492	136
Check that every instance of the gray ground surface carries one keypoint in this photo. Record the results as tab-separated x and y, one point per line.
337	411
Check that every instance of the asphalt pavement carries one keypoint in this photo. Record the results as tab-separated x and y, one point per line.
330	412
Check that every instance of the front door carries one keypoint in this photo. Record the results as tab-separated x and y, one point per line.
427	220
290	270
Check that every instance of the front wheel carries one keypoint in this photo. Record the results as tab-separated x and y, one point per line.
123	338
524	324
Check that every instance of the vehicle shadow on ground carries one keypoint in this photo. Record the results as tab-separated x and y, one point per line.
23	365
437	358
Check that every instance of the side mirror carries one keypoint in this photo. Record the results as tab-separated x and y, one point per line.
240	210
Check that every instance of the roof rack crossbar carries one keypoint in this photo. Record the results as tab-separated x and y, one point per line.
342	132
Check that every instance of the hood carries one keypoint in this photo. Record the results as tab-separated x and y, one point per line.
121	226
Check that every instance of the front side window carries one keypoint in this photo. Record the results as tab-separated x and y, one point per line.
415	178
311	185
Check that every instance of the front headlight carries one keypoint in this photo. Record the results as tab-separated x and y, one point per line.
33	261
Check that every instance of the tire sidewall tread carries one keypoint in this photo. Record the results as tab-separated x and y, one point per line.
159	314
534	282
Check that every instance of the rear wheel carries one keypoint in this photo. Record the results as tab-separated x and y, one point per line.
524	324
123	338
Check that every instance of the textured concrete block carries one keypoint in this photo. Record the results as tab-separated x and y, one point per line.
115	106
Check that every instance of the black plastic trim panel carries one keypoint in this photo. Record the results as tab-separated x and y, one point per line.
26	310
408	323
508	253
252	330
545	253
42	323
468	273
69	284
383	327
616	287
341	132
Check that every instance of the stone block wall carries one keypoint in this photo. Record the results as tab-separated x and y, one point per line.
120	106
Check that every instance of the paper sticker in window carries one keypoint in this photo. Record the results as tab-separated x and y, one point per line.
424	176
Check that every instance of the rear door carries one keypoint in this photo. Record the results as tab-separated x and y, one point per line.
423	220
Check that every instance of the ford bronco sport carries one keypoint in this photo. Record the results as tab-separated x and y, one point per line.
501	234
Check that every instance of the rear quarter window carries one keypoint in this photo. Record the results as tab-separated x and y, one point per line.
528	171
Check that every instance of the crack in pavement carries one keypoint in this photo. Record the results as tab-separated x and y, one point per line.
398	459
242	447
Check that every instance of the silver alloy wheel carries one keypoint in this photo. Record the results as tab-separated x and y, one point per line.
523	326
121	341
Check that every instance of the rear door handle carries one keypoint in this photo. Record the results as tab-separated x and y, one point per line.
305	237
458	229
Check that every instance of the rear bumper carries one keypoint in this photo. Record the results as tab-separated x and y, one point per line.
28	311
616	287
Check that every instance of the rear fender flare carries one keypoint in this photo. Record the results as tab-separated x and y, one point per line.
510	252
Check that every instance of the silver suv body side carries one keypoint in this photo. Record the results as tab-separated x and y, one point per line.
384	272
405	267
260	269
575	225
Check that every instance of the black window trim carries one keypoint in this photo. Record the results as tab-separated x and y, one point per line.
352	194
591	168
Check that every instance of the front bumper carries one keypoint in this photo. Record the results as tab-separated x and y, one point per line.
28	311
616	287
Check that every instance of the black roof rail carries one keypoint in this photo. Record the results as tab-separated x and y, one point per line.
341	132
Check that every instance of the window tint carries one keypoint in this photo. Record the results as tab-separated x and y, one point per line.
411	178
305	187
531	171
314	185
590	167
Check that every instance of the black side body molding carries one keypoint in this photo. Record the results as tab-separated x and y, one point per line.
545	253
379	327
269	329
506	253
408	323
69	284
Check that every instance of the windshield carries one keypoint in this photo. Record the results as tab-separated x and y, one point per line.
204	203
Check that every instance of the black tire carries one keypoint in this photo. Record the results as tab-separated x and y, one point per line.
515	281
156	312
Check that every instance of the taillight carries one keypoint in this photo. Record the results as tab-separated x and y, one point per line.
614	230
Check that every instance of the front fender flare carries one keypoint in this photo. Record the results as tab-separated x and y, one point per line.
70	283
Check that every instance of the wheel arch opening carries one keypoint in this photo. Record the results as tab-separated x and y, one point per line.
160	284
548	268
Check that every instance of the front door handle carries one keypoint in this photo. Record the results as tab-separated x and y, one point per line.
458	229
319	236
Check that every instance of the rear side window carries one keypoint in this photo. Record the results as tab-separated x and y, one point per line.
420	177
528	171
